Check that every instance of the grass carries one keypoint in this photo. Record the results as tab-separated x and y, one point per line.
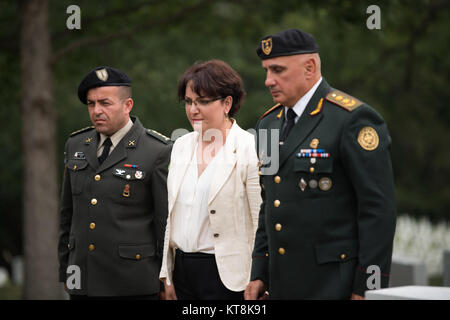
11	292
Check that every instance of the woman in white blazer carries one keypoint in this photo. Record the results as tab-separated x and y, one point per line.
213	190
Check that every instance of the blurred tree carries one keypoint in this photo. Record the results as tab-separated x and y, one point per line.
40	203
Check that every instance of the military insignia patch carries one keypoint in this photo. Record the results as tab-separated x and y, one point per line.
368	138
314	143
325	184
102	74
138	174
266	46
126	191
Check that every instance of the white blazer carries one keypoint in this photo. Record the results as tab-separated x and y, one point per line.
235	196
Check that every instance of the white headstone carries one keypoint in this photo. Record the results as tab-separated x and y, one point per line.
407	271
17	270
409	293
4	276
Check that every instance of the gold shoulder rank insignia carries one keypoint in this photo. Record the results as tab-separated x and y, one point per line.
368	138
270	110
343	100
158	136
81	131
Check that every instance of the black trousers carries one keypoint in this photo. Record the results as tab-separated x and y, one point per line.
196	277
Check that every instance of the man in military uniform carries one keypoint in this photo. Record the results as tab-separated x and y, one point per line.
114	197
327	221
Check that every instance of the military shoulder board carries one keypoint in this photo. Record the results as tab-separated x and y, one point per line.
343	100
158	136
81	131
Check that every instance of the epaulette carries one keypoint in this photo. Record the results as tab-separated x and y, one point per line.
343	100
270	110
158	136
81	131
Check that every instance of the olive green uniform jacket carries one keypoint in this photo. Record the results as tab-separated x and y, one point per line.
324	225
113	216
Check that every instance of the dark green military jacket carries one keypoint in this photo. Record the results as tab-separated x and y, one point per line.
113	216
324	222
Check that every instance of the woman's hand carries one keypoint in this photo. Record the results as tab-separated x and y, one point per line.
170	292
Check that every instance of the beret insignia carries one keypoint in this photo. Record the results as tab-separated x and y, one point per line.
102	74
266	46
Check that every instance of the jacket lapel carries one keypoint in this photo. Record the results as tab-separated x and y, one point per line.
91	149
179	166
225	163
305	124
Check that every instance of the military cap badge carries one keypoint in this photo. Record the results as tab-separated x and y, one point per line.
102	74
267	46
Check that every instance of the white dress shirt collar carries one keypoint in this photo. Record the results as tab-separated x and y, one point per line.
301	104
117	136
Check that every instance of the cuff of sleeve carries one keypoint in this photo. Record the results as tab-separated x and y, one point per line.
260	269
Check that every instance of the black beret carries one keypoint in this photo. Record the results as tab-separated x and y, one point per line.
102	77
286	43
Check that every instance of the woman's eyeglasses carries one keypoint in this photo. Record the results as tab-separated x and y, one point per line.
202	102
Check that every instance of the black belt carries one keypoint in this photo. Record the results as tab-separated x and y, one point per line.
193	255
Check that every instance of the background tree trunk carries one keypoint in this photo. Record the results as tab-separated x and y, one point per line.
39	155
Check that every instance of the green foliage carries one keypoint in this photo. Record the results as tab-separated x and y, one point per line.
400	70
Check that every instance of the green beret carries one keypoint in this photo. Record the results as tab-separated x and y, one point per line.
286	43
102	77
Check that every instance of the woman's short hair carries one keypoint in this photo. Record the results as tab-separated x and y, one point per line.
213	78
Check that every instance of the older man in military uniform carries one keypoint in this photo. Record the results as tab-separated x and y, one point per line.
327	221
114	197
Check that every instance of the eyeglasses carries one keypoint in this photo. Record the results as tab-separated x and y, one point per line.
202	102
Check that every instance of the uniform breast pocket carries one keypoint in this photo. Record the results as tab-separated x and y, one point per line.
77	169
128	185
314	175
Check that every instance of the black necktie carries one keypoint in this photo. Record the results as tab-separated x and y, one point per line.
290	115
106	146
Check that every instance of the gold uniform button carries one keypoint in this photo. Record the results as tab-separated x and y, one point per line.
91	247
276	203
94	202
278	227
138	256
92	225
343	256
277	179
311	169
267	254
97	177
281	251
